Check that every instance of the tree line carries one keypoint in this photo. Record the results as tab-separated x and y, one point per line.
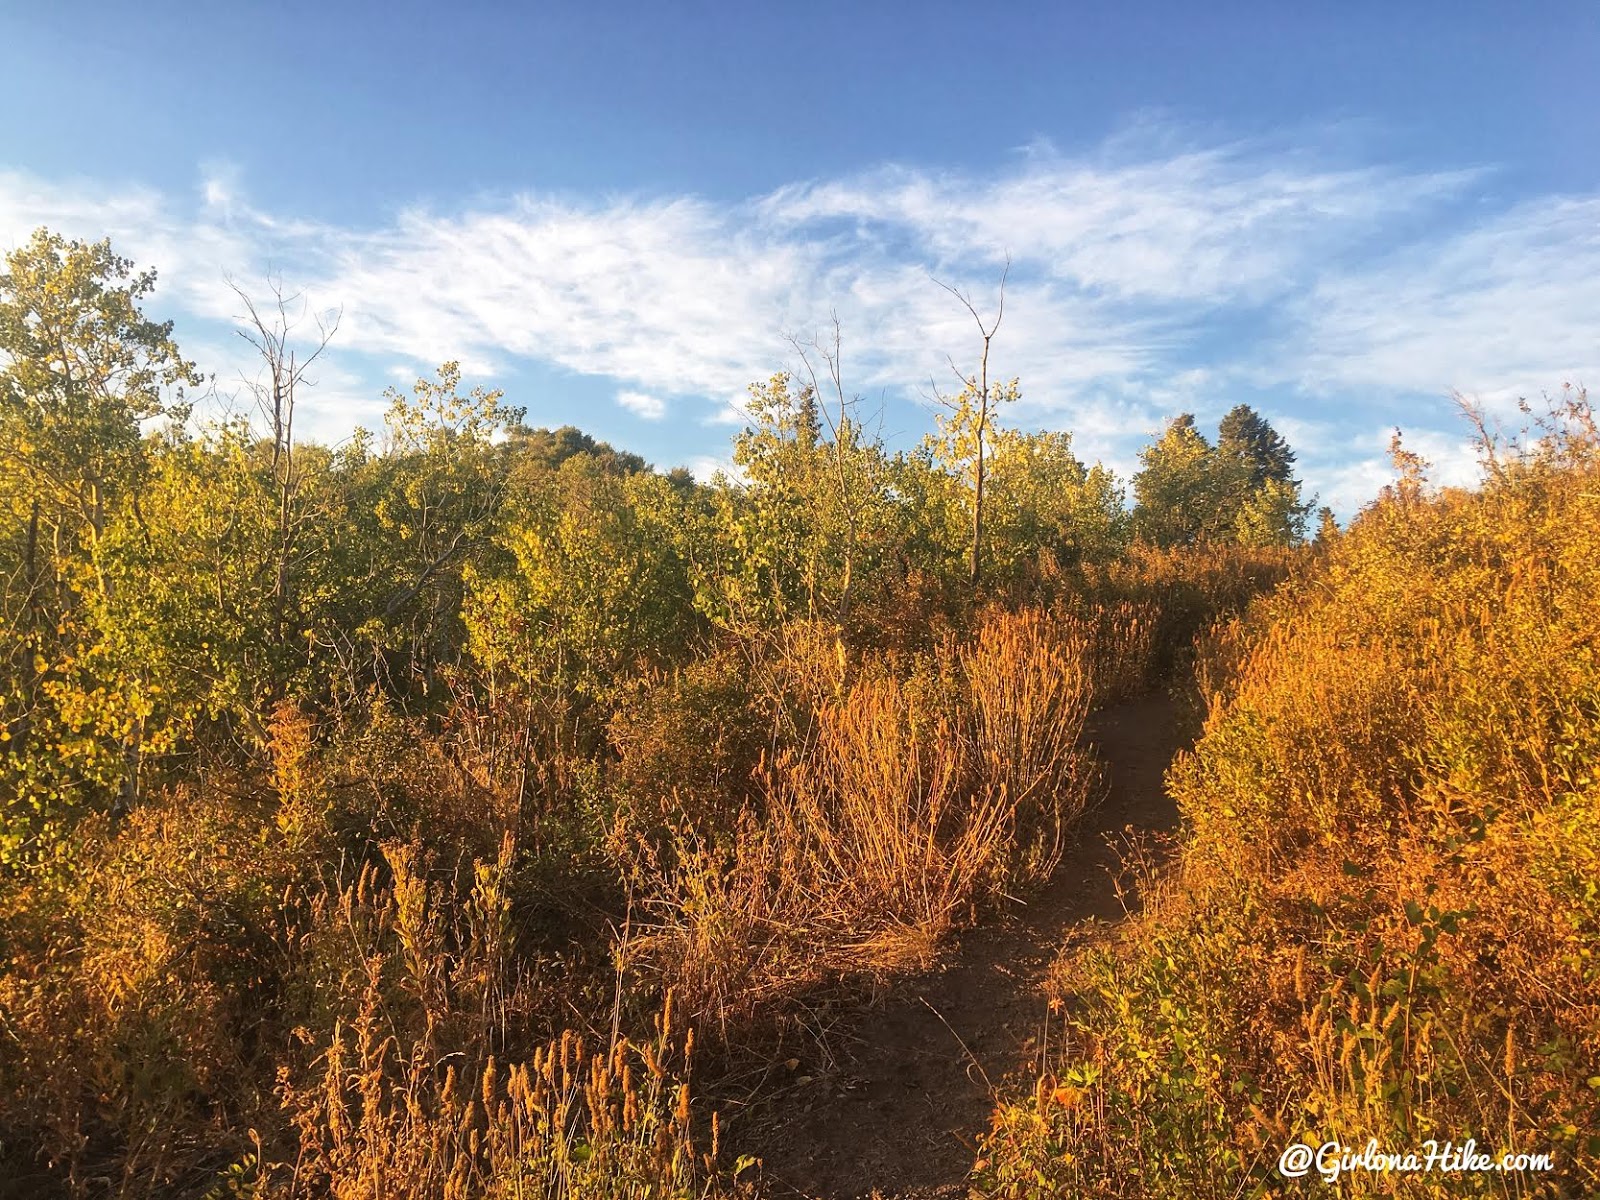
165	582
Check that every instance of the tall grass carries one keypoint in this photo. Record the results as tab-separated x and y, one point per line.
574	1121
298	977
906	801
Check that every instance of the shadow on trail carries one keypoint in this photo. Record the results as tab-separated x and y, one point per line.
912	1088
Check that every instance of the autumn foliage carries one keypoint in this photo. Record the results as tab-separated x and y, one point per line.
1380	921
457	812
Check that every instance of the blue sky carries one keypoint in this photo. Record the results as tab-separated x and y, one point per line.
1340	213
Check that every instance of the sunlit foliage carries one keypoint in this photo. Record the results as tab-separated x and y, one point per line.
392	818
1381	923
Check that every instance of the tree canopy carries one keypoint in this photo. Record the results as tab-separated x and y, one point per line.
1189	491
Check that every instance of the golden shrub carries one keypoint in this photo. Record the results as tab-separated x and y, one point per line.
1384	917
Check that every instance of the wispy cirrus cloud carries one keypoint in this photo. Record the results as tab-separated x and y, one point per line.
1143	280
1218	225
1505	307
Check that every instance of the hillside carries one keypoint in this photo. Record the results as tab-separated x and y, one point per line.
1381	924
475	810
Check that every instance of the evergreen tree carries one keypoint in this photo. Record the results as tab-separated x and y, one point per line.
1327	527
1245	436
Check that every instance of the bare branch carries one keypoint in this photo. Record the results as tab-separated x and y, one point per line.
269	334
976	388
985	331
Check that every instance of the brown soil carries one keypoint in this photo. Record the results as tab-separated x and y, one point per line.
905	1088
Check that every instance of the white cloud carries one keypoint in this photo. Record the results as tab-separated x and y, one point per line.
1346	484
79	208
706	467
650	408
1505	308
1217	224
1145	279
220	188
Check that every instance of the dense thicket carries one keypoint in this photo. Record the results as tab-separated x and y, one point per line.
1382	921
388	819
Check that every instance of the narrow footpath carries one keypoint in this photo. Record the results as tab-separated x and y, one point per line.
900	1110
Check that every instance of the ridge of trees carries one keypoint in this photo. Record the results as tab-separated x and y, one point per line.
163	586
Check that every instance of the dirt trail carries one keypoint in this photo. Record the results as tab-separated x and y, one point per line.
901	1108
